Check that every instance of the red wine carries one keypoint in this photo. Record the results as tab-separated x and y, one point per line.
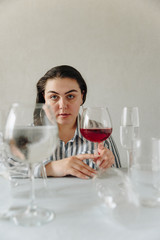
96	134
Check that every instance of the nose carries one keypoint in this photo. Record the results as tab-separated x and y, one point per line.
62	103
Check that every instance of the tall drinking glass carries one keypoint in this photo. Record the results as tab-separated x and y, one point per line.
30	136
156	161
145	172
129	131
95	124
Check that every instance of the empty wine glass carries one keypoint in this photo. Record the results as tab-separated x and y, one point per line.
95	124
30	136
129	131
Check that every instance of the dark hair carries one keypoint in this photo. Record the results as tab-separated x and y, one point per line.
62	71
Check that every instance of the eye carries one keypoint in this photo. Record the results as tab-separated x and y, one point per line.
54	97
70	96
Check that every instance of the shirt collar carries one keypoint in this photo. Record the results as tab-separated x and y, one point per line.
77	131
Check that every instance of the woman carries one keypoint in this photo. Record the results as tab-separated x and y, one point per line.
64	89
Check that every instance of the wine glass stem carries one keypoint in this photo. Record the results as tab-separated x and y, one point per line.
129	158
32	197
44	175
96	153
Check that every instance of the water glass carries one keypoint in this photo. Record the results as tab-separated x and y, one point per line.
156	160
145	173
129	131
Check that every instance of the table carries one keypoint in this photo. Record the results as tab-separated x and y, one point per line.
80	213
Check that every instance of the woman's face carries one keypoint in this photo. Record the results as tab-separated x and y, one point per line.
65	98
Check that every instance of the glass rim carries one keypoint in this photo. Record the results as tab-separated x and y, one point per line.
155	139
30	105
97	107
130	107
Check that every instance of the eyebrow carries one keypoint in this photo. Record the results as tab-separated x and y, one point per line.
73	90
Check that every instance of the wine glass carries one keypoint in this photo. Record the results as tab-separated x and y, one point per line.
129	131
30	135
95	124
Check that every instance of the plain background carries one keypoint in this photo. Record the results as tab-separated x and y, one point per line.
115	44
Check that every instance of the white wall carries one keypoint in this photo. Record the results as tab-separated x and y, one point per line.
115	44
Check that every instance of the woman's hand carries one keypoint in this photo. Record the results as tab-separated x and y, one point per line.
105	157
73	165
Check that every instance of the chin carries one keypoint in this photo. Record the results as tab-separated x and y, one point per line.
63	121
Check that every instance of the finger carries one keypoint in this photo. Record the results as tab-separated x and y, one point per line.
100	146
105	155
111	162
78	174
98	160
86	156
104	164
88	171
107	163
104	158
83	167
81	172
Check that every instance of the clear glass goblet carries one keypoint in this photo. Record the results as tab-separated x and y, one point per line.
30	135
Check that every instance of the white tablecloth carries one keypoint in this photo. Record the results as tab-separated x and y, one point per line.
80	214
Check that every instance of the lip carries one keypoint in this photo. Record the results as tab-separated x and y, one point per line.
64	115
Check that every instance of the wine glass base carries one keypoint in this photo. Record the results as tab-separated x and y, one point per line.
150	202
33	217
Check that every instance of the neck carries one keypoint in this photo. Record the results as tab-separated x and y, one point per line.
66	132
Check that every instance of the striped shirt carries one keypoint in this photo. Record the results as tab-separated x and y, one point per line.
79	145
